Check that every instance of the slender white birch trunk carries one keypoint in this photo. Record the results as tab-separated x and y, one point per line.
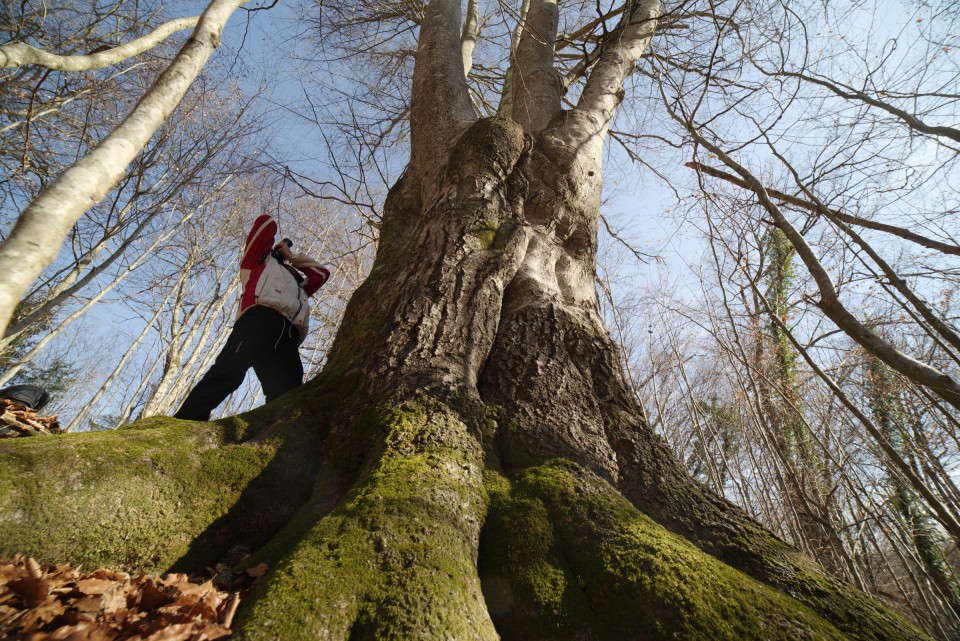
165	396
42	227
108	383
62	325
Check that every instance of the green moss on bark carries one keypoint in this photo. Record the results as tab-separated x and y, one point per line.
396	558
161	493
486	232
777	564
134	499
564	556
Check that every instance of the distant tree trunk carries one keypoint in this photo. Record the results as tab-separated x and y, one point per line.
471	464
805	478
885	405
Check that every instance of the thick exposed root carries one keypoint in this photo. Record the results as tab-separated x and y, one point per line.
564	556
396	559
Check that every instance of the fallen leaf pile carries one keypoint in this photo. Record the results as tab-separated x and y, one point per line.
58	602
20	420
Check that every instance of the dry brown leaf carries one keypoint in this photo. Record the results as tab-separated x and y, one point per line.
95	586
172	580
115	601
192	606
82	630
109	606
151	597
110	576
214	631
45	615
230	609
214	599
32	590
155	622
175	632
257	571
63	571
50	611
33	569
19	420
8	573
200	590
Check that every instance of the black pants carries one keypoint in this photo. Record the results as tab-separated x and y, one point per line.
262	339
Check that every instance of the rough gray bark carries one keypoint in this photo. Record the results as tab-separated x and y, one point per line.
494	324
440	107
483	297
535	82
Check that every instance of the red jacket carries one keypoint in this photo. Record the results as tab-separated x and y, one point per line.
266	282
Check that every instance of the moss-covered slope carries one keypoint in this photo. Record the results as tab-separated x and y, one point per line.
163	494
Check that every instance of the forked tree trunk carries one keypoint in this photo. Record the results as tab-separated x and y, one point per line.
509	436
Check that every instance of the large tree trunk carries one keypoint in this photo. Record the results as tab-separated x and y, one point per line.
470	464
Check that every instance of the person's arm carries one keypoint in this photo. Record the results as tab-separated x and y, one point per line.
316	273
259	241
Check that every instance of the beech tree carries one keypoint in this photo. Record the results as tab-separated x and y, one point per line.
471	463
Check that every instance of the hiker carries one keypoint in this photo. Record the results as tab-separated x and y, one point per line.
273	319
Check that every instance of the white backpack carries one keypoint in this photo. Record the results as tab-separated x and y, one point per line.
278	289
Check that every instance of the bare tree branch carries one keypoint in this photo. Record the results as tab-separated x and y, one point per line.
19	54
830	303
906	234
620	51
852	94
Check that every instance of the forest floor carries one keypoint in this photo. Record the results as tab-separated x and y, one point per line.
59	602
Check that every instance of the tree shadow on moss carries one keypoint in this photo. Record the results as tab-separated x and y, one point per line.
296	426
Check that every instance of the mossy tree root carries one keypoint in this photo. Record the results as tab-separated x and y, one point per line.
396	559
657	486
564	556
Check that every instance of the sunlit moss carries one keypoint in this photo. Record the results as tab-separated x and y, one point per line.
579	562
396	558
